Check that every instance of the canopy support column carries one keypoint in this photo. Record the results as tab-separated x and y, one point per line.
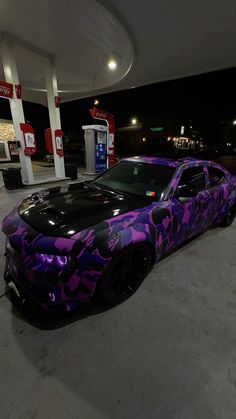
54	115
11	76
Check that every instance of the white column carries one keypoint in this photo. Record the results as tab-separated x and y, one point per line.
11	76
54	115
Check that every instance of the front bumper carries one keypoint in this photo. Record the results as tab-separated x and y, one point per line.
42	290
27	294
62	288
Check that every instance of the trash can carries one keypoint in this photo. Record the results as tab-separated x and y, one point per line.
71	171
12	178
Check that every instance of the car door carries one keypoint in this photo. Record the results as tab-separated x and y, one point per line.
190	212
219	189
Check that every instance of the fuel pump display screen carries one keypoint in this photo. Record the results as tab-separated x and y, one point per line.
101	151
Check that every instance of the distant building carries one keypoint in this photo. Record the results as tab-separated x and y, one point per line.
154	134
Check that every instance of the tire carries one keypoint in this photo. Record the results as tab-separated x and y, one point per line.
229	217
124	274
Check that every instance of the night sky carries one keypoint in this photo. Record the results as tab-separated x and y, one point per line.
209	96
212	92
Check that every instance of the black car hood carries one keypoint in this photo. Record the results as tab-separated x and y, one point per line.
64	211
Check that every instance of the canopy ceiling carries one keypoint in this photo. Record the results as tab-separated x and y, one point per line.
151	41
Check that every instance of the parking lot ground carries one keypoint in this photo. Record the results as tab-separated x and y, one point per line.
166	353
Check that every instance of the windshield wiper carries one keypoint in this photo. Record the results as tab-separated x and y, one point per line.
118	191
110	189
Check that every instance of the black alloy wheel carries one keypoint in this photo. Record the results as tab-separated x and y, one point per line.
125	274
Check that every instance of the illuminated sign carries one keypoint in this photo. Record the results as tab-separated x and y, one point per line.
6	89
157	129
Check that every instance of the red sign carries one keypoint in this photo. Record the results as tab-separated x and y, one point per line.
59	142
108	117
57	101
29	139
48	139
18	90
6	89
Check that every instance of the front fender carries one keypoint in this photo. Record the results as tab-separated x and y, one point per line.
100	247
95	248
135	233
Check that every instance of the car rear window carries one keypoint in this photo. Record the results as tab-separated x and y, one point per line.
216	176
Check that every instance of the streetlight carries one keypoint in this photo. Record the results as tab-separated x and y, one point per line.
234	122
134	121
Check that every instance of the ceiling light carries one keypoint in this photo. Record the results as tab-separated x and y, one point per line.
112	65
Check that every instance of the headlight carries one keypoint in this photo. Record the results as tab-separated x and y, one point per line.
54	260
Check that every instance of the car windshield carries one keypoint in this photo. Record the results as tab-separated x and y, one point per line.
142	179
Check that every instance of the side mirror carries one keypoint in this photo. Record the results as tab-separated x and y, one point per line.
185	192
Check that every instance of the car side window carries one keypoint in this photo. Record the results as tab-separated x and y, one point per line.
193	177
216	176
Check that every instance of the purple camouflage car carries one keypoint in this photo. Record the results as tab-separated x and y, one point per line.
67	244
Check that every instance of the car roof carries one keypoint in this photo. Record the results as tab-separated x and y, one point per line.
166	161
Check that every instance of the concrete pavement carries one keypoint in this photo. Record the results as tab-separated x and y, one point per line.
166	353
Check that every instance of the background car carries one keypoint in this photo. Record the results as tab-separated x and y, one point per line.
67	244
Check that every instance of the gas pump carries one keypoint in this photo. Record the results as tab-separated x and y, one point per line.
96	148
109	119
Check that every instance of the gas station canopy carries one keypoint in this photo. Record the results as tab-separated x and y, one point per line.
142	41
